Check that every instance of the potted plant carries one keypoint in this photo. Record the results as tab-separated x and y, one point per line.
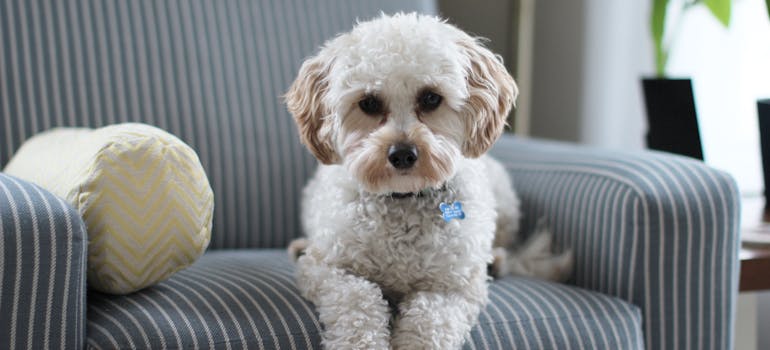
671	115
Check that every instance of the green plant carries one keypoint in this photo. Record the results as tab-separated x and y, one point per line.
719	8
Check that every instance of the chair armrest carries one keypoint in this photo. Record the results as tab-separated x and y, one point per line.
42	269
658	230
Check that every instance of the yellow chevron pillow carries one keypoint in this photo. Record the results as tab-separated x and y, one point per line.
142	192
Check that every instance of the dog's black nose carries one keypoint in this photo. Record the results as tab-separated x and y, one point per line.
402	156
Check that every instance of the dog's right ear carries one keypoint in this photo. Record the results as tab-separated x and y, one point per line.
305	102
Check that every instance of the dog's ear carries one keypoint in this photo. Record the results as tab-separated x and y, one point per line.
305	102
491	94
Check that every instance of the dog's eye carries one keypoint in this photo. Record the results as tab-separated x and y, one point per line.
429	100
371	105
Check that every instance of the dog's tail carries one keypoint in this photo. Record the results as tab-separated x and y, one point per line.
534	258
297	248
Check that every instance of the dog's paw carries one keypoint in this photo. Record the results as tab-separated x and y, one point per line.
297	248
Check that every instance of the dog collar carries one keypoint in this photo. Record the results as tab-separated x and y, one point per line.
427	191
449	210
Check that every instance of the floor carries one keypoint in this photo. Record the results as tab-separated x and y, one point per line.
753	314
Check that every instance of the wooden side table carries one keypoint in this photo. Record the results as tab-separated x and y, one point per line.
755	269
755	258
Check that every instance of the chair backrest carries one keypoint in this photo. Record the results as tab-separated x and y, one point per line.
210	72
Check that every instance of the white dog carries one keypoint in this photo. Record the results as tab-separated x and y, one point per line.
402	216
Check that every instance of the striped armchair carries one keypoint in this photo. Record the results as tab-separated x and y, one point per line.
655	235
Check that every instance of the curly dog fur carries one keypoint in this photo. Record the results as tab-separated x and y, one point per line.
400	112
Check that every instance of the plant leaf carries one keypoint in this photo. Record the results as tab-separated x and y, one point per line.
657	25
720	9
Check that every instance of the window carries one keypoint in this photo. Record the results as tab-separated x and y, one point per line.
730	69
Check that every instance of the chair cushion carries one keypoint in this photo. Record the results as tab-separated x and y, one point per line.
247	299
142	192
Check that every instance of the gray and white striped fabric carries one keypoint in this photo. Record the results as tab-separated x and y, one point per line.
657	230
247	299
210	72
42	269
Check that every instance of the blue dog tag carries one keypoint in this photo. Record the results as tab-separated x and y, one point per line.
454	211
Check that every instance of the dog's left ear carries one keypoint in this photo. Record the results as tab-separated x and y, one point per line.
491	94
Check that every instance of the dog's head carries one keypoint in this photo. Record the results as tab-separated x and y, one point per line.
399	100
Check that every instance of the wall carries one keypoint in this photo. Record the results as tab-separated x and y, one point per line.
557	75
493	19
500	22
588	58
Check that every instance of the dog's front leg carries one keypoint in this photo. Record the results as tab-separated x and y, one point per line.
432	320
351	308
